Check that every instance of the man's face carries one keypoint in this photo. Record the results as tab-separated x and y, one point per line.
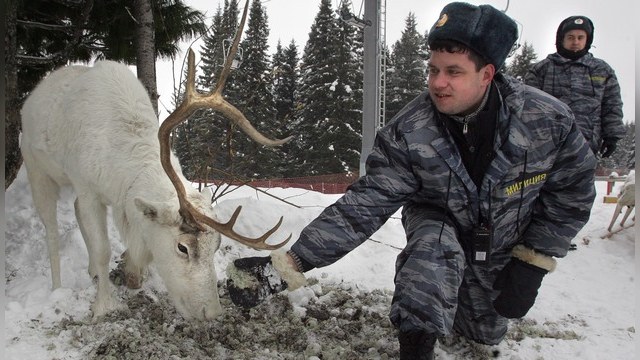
455	87
574	40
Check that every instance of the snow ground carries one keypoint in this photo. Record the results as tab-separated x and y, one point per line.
585	309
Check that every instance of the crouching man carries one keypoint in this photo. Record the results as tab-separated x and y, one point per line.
494	179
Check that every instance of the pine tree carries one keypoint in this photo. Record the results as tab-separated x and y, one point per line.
408	71
256	100
285	78
631	151
208	128
316	75
388	72
233	93
328	118
182	138
628	145
212	53
340	141
204	143
285	84
624	156
425	45
521	62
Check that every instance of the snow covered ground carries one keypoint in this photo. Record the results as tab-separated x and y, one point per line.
585	309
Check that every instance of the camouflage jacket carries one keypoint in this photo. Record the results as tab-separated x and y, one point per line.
538	189
590	87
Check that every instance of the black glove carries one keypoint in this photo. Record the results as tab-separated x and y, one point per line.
608	147
255	279
518	283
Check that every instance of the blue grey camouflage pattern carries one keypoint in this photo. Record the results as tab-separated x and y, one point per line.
538	190
590	87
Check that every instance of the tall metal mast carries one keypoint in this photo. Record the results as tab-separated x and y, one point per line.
374	83
382	64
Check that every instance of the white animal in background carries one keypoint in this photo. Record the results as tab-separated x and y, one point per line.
94	128
626	198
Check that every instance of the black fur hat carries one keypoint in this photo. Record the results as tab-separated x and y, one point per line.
574	23
484	29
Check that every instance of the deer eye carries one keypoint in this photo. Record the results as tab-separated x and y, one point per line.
183	249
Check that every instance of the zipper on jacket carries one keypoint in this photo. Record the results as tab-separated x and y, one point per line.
593	89
524	176
446	204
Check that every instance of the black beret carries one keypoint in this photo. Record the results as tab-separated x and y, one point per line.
484	29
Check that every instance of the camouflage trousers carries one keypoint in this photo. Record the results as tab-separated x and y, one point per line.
438	291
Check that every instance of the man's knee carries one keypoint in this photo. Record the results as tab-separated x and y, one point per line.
489	329
429	272
476	319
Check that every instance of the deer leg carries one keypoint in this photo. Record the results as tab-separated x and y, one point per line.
92	219
45	197
615	216
128	272
133	274
626	214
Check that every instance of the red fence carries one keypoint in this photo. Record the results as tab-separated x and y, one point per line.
602	171
326	184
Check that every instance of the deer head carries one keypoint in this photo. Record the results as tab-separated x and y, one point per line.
193	100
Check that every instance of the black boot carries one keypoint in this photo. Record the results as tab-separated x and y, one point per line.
416	345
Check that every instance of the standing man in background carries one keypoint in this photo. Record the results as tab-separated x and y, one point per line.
587	84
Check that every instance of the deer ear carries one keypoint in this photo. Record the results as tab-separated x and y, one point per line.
160	212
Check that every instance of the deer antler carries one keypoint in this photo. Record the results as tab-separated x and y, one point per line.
194	101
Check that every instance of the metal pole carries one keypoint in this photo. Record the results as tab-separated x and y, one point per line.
370	103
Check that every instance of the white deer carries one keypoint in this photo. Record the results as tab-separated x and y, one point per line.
94	128
626	198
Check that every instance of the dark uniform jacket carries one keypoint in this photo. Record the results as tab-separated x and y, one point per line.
538	189
590	87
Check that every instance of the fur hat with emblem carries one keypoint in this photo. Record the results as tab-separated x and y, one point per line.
484	29
574	23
